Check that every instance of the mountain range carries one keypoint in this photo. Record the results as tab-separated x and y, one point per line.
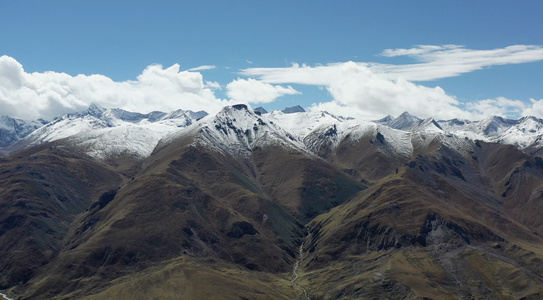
246	204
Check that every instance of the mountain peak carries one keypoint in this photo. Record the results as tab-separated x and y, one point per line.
235	109
407	115
237	129
431	124
260	110
187	114
13	130
293	109
95	110
495	124
240	107
385	120
405	121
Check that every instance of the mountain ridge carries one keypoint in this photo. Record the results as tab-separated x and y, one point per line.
525	133
247	205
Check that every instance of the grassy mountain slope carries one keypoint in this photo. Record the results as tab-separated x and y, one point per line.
438	229
192	203
448	219
43	190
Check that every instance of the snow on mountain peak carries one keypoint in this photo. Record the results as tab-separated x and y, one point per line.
13	130
95	110
430	125
405	121
106	132
495	125
385	120
301	124
237	130
260	110
409	122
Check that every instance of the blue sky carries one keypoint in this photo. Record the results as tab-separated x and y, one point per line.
245	43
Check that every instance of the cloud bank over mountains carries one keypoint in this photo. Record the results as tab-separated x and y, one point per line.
368	89
255	91
50	94
357	89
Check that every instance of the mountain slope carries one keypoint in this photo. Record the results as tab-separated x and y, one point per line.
13	130
245	205
43	190
194	200
423	231
109	133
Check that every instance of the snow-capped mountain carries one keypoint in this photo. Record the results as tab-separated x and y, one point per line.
105	132
301	124
409	122
237	129
525	133
293	109
246	191
260	110
13	130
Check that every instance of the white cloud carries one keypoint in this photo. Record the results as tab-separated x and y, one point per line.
254	91
357	91
500	106
453	60
369	90
213	85
50	94
417	51
436	62
534	109
202	68
505	107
